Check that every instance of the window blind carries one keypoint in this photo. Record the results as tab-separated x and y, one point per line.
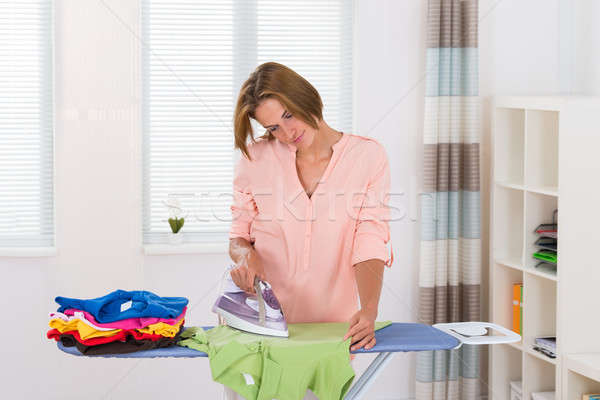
26	124
196	55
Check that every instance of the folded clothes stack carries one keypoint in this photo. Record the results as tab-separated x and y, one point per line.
120	322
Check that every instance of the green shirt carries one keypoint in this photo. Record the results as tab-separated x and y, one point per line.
266	367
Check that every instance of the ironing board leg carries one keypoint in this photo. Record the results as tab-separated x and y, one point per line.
360	387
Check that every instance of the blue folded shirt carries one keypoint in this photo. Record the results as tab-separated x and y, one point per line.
122	304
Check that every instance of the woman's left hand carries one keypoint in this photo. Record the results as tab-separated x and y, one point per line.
362	329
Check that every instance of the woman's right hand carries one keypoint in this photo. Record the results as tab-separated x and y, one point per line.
247	268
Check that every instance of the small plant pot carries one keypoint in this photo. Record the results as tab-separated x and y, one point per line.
175	238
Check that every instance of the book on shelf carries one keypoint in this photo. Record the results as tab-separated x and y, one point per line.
521	311
545	352
591	396
546	345
549	230
547	233
546	267
518	308
547	342
546	255
546	243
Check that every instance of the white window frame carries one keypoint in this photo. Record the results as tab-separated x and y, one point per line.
241	70
41	241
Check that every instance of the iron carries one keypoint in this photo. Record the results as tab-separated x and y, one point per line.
258	313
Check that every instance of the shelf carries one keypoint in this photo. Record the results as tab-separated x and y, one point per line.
514	263
529	349
545	152
542	274
510	357
547	190
552	103
541	356
539	208
586	364
517	346
509	145
510	185
583	374
504	278
508	231
540	376
541	143
539	307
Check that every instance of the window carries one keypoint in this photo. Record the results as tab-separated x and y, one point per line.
196	56
26	125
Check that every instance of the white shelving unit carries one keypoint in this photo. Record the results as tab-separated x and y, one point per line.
546	156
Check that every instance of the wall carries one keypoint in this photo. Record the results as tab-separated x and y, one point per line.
98	202
523	50
584	59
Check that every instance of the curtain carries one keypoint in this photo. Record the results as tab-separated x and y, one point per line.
450	251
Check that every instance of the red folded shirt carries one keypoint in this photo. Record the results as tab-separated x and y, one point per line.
120	336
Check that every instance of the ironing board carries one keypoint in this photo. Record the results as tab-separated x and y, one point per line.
394	338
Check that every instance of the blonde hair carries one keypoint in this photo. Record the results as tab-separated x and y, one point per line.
274	80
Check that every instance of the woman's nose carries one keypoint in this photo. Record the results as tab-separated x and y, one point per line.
290	131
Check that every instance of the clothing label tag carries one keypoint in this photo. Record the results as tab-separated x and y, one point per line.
248	378
126	306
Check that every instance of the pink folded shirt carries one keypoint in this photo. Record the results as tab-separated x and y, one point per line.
130	323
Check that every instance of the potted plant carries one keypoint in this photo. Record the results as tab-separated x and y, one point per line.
176	221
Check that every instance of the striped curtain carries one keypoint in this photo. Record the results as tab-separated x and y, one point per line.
450	259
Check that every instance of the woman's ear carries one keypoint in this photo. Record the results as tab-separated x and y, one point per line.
316	119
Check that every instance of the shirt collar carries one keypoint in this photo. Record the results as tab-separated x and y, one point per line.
335	146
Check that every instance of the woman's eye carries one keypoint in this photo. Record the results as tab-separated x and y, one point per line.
287	116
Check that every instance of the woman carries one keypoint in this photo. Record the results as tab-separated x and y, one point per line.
309	208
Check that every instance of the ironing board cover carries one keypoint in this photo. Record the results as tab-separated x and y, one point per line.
396	337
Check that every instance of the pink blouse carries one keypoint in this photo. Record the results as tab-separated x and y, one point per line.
308	246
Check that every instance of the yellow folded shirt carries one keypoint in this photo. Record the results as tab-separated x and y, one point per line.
162	329
88	332
85	331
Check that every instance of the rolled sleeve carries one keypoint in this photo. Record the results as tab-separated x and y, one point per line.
243	207
372	226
